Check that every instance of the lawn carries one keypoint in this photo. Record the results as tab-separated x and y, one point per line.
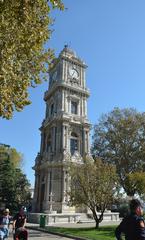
103	233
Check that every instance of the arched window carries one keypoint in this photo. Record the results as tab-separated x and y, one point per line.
73	143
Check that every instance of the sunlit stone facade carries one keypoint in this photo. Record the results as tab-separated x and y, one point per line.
64	133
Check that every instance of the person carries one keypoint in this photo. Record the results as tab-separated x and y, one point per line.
4	224
132	226
19	222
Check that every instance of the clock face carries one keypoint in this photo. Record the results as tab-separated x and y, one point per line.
73	73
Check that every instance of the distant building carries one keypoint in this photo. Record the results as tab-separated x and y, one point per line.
64	132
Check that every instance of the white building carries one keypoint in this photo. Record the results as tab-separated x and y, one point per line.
64	133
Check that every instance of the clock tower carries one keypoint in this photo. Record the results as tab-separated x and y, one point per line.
64	132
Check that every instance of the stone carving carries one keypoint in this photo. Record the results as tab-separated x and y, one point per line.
66	156
76	157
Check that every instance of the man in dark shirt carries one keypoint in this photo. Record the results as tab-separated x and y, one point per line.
19	222
132	226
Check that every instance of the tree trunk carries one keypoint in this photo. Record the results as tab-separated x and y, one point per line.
95	218
97	223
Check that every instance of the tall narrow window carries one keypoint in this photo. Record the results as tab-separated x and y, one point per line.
50	185
47	111
55	129
49	143
52	109
74	107
44	144
73	143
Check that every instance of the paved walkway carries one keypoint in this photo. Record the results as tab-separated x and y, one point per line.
36	235
40	235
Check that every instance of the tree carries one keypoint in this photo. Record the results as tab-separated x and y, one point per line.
24	61
136	181
7	181
14	186
6	151
92	184
22	189
119	138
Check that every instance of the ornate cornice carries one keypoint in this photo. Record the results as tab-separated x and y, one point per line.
85	92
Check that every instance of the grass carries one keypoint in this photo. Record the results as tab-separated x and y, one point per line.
102	233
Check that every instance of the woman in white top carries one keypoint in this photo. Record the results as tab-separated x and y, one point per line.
4	224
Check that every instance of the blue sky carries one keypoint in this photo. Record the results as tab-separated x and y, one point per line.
109	35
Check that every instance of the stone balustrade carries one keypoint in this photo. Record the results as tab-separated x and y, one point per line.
70	217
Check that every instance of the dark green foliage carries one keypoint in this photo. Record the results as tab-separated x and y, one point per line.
14	186
7	181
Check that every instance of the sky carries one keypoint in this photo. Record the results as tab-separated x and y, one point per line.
109	35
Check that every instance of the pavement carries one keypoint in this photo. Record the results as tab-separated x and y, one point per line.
38	235
42	234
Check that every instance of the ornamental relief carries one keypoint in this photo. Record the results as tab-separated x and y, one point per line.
74	129
76	157
66	155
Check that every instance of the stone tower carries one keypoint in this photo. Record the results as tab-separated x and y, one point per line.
64	132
